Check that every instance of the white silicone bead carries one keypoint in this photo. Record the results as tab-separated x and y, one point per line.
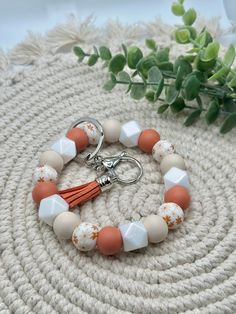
172	160
111	130
45	174
161	149
129	134
65	224
50	207
176	176
92	132
66	148
85	236
53	159
156	227
172	214
134	235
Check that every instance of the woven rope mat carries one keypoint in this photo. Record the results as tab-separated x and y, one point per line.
193	271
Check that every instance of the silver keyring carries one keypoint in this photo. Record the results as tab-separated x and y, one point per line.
99	127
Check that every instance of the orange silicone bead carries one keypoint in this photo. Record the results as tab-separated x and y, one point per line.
178	195
79	137
43	190
109	240
147	139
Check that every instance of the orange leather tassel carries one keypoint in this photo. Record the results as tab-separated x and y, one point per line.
81	194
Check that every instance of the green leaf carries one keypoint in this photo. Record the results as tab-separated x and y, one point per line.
159	88
179	78
184	64
109	85
229	123
204	65
105	53
192	117
189	17
145	64
171	93
229	105
229	56
163	108
182	36
177	9
232	82
133	57
151	44
138	91
162	55
78	52
211	51
93	59
154	75
117	63
125	50
150	95
165	66
219	74
178	105
124	76
204	39
213	111
191	87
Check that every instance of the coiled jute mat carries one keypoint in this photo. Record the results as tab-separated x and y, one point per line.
42	90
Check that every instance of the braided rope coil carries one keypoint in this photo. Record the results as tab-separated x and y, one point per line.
193	271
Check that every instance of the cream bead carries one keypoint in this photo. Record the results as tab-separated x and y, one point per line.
111	130
172	160
172	214
45	174
52	159
161	149
156	227
64	225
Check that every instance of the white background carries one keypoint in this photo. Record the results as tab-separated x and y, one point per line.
19	16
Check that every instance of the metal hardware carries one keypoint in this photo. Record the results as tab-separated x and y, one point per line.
99	127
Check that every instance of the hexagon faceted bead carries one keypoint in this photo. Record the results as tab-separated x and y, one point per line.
45	174
162	149
176	176
129	134
172	214
85	236
134	236
50	207
66	148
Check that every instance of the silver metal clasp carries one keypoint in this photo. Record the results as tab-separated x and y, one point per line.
109	164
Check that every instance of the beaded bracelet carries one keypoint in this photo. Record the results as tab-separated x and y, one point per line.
54	205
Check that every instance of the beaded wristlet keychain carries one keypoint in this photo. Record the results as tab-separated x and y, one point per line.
54	205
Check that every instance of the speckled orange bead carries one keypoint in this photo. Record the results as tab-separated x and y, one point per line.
43	190
147	139
109	240
178	195
79	137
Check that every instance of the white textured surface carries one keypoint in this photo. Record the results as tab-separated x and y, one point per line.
176	176
193	271
134	236
50	207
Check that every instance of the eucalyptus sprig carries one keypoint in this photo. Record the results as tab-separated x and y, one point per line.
180	84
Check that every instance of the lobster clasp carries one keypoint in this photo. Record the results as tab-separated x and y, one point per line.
109	164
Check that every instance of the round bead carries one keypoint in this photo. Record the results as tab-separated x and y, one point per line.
170	161
172	214
85	236
109	240
111	130
147	139
43	190
45	174
79	137
65	224
52	159
178	195
92	132
156	227
162	149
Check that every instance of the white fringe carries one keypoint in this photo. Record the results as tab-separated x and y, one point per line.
75	31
